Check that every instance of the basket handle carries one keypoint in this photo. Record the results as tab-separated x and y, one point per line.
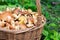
38	7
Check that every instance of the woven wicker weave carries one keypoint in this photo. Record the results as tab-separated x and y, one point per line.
33	33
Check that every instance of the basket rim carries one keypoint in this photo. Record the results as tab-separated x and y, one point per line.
23	30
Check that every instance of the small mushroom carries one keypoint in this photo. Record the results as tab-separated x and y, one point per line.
16	16
12	23
22	19
29	11
1	12
6	15
24	11
30	25
30	20
2	23
9	26
17	26
16	10
23	26
35	19
35	15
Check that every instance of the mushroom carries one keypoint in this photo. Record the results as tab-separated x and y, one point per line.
9	26
2	23
29	11
35	14
30	25
0	12
15	16
23	26
6	16
16	10
30	22
22	20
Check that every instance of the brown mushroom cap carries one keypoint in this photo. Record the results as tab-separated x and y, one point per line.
5	15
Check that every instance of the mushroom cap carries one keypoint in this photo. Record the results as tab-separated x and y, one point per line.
6	15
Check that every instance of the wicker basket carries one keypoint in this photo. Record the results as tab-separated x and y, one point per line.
33	33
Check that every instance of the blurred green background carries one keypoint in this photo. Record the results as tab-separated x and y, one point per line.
50	9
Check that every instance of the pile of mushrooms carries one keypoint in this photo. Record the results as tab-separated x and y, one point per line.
16	18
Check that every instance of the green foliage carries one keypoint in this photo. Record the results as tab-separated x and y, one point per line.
50	9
